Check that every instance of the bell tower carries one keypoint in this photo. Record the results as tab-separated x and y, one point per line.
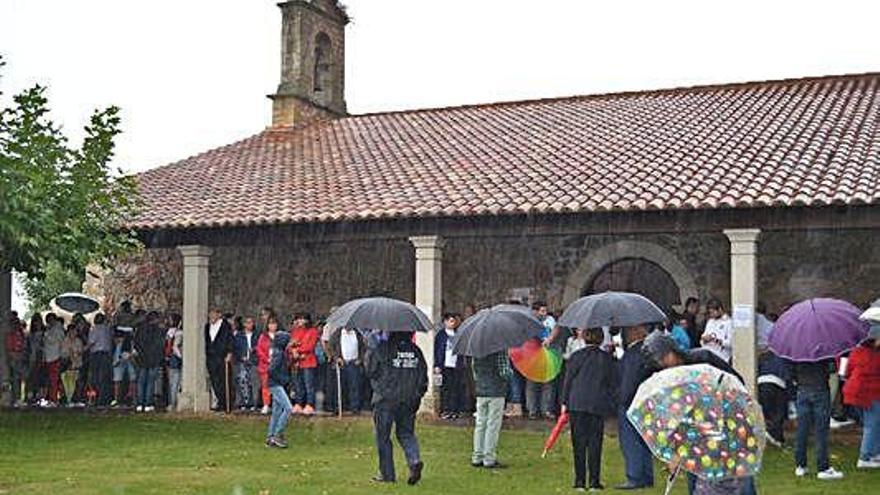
312	84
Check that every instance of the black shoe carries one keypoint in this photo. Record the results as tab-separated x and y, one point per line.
477	464
415	473
380	479
629	485
598	487
494	465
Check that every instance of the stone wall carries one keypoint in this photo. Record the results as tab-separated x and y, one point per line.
294	275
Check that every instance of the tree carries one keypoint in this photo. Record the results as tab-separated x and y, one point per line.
61	207
56	280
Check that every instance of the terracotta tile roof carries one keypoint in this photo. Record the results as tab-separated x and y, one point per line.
813	142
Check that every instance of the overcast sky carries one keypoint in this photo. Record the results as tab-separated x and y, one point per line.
191	75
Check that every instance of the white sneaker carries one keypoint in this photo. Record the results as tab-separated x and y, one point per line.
139	409
869	464
830	474
149	409
264	410
800	472
836	425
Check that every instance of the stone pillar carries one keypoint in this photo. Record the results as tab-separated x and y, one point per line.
6	292
429	297
195	395
744	298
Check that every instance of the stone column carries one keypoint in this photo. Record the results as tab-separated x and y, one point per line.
195	395
429	297
744	298
6	292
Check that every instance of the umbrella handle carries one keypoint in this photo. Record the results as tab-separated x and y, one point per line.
670	481
338	390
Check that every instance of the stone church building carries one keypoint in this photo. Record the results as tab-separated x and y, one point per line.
758	191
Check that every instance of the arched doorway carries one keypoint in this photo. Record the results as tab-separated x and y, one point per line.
639	276
580	280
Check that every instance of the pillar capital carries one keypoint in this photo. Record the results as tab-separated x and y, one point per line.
424	243
742	235
195	251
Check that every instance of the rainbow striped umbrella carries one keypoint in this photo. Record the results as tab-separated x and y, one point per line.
536	362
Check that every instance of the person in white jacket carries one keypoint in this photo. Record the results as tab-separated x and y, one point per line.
719	327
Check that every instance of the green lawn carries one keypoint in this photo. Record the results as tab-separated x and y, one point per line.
61	453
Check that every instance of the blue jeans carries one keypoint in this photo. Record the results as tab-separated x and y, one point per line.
870	432
304	386
748	487
636	455
516	384
403	418
352	380
813	413
146	382
281	408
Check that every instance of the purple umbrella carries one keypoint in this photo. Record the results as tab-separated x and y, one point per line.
817	329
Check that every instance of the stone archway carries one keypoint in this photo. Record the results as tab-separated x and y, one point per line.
594	263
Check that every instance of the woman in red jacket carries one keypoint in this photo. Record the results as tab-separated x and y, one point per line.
862	390
264	343
303	339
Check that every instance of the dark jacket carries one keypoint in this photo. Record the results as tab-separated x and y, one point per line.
492	375
705	356
221	346
812	375
279	363
398	373
772	369
633	370
440	340
590	382
336	347
240	347
149	345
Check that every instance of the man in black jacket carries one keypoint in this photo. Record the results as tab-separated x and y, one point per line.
218	350
589	396
638	460
399	375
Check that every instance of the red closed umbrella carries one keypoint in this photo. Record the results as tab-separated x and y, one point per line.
554	435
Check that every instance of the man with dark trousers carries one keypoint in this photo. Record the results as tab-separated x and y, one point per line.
399	375
218	350
633	371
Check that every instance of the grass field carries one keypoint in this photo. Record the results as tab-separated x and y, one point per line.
61	453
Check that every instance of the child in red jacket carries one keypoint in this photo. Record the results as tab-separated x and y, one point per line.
862	390
304	338
264	344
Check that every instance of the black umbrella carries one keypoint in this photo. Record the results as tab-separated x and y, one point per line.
76	303
496	329
379	313
611	309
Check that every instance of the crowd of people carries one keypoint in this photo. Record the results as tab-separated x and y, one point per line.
135	358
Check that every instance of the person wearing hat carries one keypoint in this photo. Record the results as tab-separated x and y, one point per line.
862	390
662	352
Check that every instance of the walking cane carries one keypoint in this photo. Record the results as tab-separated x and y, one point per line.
226	367
338	390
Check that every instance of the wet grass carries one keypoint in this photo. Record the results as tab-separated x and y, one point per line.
61	453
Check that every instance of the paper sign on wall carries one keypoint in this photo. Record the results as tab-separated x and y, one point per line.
743	316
